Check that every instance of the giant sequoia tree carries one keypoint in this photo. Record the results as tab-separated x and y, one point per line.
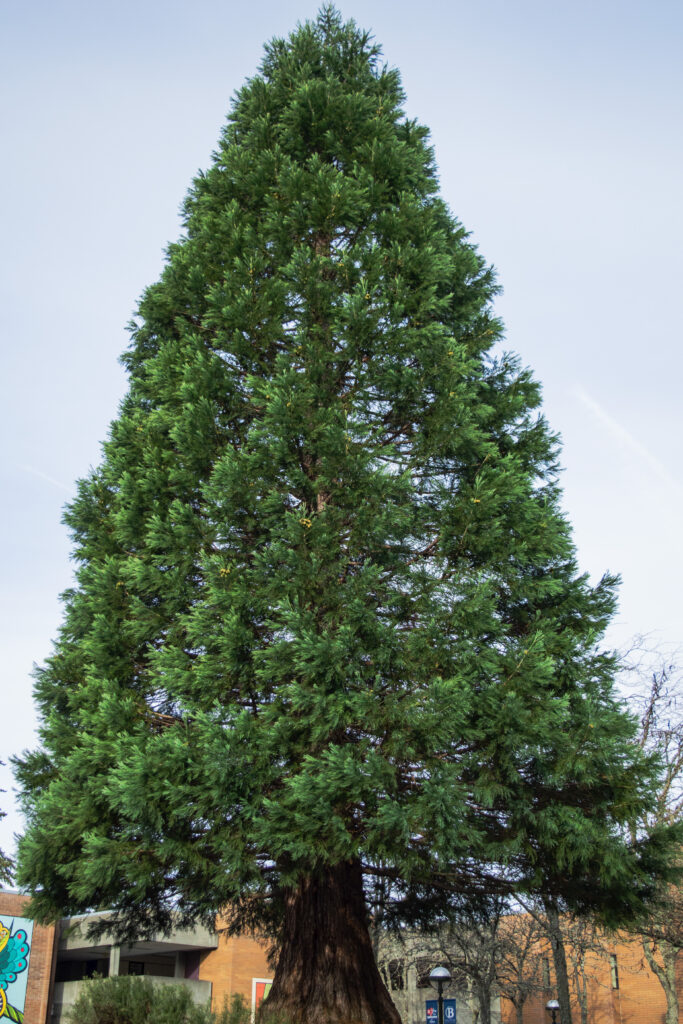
328	646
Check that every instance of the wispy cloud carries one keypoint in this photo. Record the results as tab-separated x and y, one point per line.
45	476
627	441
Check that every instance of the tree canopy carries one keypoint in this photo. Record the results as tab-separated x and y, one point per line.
327	609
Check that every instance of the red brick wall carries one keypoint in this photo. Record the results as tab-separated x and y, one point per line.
41	963
232	967
638	1000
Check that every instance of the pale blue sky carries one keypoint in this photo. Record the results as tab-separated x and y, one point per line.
557	130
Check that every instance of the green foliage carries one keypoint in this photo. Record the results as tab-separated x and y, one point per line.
233	1011
5	862
126	1000
327	605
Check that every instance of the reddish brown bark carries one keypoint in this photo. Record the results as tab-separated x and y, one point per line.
326	971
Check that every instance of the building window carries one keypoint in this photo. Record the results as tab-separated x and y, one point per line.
422	968
546	972
192	966
396	975
136	967
614	970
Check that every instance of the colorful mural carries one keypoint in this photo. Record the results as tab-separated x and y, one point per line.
16	934
260	987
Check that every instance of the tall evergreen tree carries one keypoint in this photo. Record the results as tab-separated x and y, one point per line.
328	639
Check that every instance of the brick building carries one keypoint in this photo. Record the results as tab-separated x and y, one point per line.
60	958
620	987
43	968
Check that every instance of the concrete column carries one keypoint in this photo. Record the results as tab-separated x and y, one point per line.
114	960
179	965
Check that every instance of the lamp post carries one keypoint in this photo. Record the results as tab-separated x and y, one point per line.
552	1006
439	977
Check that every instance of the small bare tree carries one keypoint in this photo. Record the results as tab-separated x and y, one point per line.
661	730
470	946
570	939
6	864
521	952
549	918
584	941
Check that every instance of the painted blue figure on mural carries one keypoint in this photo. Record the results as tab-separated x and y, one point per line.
15	951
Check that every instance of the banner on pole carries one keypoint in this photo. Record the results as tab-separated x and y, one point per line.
432	1015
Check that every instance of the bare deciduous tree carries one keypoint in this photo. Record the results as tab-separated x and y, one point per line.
5	862
661	731
470	947
522	950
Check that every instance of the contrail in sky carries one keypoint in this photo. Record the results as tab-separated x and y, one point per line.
627	440
44	476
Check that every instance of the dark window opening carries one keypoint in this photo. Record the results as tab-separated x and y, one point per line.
396	975
422	968
614	970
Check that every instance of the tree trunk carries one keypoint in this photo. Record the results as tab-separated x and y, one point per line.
581	982
326	971
665	970
559	962
484	999
519	1012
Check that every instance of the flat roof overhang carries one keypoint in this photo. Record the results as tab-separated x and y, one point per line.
74	944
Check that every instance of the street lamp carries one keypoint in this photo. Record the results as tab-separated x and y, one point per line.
439	977
553	1006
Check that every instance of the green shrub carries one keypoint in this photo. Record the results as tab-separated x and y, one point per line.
125	1000
234	1011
